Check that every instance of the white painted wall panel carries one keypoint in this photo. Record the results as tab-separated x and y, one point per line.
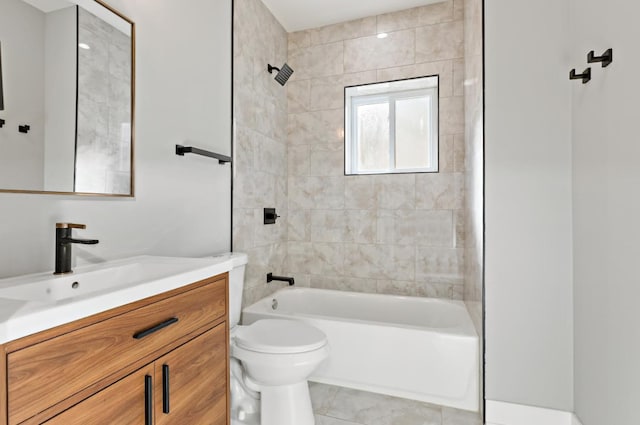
606	179
529	330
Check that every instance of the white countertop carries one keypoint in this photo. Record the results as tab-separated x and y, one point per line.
19	318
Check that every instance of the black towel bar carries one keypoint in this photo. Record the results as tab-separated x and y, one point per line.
222	159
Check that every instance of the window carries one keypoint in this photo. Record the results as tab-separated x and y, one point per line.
392	127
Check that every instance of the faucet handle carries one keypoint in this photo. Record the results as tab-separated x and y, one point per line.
70	226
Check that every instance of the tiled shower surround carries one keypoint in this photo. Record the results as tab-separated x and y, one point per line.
410	234
260	145
396	234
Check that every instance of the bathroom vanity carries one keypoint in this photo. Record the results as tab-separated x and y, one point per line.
161	359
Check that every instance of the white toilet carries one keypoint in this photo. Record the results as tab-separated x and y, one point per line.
270	362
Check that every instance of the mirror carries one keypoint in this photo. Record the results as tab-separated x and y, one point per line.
68	73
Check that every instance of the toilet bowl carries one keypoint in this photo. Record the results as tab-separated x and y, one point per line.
270	362
278	356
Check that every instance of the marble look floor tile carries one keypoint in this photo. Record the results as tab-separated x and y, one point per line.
376	409
343	406
326	420
322	396
460	417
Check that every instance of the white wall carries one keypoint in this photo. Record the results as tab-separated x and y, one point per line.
606	211
60	99
528	204
23	77
182	204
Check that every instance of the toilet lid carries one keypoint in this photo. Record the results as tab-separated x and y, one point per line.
280	337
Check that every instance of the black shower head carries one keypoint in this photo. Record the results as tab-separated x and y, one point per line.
283	74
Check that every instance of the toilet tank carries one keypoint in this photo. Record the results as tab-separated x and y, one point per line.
236	285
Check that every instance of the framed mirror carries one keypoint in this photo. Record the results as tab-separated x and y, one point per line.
68	70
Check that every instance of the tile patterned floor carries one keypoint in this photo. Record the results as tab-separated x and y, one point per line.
344	406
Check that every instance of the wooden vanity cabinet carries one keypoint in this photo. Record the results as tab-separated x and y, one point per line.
186	387
162	360
122	403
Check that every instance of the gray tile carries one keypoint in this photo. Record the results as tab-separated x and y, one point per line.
439	42
316	193
360	226
299	226
367	53
343	31
317	61
326	163
437	191
298	160
327	225
452	115
400	20
460	417
322	396
360	193
327	420
298	96
444	69
316	258
299	40
436	13
396	191
440	265
376	409
328	92
318	128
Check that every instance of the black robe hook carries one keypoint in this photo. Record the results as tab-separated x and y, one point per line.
585	76
606	58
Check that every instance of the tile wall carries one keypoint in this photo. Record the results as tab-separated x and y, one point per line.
397	234
260	145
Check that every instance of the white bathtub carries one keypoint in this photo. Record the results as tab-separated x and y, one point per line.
418	348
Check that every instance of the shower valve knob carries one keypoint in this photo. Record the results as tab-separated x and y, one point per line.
270	216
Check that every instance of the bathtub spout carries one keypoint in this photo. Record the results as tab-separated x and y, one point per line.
271	277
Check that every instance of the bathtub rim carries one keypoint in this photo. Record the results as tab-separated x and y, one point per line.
464	330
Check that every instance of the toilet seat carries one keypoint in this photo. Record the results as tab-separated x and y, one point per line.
274	336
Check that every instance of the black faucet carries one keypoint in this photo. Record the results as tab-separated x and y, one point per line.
271	278
63	245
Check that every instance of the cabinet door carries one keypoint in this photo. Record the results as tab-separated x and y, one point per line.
191	382
123	403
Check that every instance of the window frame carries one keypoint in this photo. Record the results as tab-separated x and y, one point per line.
391	96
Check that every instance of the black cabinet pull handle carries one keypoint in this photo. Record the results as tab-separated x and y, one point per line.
148	400
165	389
156	328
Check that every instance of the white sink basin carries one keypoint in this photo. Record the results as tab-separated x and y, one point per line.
33	303
105	279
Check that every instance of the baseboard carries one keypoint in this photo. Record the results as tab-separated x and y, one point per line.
500	413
